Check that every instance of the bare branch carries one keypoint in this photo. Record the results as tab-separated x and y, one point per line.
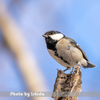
26	60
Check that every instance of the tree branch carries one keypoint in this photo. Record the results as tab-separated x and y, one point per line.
27	63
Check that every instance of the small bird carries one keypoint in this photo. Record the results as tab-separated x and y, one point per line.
66	51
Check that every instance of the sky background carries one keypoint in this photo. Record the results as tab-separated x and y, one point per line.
77	19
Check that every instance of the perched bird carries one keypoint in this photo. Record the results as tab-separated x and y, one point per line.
66	51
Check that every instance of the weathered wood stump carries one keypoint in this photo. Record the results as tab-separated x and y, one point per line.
67	86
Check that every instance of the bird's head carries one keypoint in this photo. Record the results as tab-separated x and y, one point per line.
53	36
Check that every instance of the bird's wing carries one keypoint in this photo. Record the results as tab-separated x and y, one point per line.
76	45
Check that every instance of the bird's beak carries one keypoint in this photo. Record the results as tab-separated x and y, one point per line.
45	36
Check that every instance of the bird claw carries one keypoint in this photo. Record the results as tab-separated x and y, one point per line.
65	69
78	64
72	70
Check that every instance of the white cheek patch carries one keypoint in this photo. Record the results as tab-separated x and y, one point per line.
56	36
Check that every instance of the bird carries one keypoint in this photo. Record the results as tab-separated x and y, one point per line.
66	51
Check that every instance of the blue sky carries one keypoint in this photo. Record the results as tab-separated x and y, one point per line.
76	19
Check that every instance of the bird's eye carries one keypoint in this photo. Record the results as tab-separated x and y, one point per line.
51	33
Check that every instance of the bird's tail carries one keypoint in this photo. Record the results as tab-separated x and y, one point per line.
89	65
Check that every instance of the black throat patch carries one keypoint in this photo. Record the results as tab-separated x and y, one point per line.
51	46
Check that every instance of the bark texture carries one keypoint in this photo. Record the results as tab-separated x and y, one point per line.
68	86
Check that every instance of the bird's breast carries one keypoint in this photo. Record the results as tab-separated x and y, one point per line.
58	58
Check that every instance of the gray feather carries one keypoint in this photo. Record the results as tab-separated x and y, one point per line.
89	65
76	45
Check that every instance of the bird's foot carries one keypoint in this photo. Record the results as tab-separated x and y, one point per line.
71	72
65	69
74	67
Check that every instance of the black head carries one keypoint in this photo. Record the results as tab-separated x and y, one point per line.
53	36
